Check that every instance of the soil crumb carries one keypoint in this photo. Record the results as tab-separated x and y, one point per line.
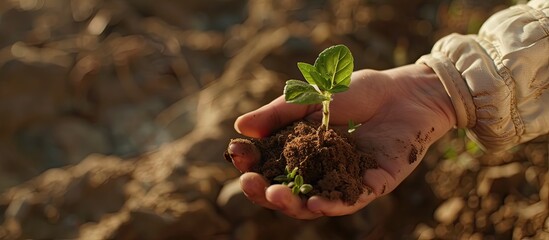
419	145
413	155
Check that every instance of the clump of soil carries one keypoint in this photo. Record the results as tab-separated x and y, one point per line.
328	160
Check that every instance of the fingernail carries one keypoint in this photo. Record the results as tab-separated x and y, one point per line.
243	153
313	205
248	188
236	126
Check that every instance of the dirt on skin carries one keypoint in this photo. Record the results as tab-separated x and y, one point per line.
419	146
328	160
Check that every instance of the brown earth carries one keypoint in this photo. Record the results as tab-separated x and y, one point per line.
328	160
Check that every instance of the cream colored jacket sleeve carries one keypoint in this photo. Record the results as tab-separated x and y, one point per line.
498	80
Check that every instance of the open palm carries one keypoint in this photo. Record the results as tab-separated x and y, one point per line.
402	111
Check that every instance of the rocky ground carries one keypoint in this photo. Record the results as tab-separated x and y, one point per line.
114	116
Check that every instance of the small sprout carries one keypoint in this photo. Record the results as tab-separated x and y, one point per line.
352	126
282	178
298	180
295	190
331	73
305	188
291	184
292	174
294	181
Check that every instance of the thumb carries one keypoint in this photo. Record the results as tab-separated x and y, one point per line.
271	117
243	154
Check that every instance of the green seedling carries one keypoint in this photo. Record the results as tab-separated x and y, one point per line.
330	74
352	126
294	181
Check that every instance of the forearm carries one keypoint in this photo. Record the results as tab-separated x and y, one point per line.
498	79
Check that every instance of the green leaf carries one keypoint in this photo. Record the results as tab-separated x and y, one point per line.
336	63
313	77
306	70
339	88
295	190
306	188
324	84
300	92
281	178
299	180
292	174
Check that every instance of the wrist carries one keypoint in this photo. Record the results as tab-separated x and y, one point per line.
432	86
427	88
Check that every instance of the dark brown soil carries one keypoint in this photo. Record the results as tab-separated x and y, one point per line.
328	160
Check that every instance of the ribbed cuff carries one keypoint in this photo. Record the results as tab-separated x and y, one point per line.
455	86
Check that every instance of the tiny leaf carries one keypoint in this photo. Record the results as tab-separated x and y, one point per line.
281	178
291	184
298	180
293	173
352	126
300	92
306	188
336	63
295	190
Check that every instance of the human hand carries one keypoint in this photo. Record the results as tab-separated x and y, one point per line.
402	111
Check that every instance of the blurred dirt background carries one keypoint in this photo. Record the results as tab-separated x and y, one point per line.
114	116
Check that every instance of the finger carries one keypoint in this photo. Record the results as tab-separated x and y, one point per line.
244	154
275	115
320	205
292	205
380	181
254	185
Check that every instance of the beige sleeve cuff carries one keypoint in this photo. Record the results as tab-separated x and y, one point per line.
498	80
455	87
